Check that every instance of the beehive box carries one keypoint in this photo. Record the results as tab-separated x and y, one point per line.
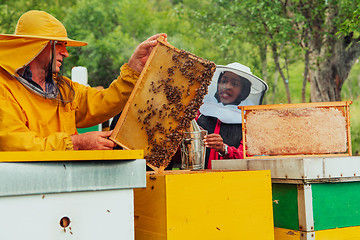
204	205
165	99
296	129
314	198
62	195
317	211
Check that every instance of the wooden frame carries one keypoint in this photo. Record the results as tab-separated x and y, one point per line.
342	106
165	99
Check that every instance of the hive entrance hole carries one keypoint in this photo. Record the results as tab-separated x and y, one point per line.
64	222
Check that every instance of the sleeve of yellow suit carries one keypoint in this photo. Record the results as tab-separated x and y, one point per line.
23	129
94	107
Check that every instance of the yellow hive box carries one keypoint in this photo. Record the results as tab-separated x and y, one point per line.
205	205
345	233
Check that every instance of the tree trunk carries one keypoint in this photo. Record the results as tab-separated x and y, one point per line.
263	55
306	74
277	64
275	86
332	59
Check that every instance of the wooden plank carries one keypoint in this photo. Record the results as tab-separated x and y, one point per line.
150	209
347	233
336	205
348	127
237	205
80	155
299	156
286	234
297	105
320	169
305	208
243	126
285	206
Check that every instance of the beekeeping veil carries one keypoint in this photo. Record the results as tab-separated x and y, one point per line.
34	30
252	94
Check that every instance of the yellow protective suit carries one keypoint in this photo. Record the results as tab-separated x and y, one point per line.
31	122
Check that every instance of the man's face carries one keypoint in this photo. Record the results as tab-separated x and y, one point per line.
229	87
60	52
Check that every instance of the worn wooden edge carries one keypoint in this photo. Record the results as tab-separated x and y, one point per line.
157	170
132	95
243	133
120	144
297	156
297	105
348	128
202	171
80	155
199	59
153	167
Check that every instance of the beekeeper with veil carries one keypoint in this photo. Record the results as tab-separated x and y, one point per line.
40	109
232	85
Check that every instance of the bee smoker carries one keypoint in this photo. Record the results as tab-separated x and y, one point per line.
193	148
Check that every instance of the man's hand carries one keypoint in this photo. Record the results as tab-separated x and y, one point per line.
142	52
93	141
214	141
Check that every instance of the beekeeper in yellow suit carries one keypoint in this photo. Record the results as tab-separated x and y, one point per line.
39	109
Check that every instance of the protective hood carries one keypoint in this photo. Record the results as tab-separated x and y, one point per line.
33	31
253	92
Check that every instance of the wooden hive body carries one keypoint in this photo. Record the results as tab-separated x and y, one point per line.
296	129
204	205
165	99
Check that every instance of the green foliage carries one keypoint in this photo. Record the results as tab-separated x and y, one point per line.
355	126
351	92
111	38
11	10
352	22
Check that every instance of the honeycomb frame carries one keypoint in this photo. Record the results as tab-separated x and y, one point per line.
296	130
165	99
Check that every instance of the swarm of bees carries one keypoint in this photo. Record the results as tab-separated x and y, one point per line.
170	92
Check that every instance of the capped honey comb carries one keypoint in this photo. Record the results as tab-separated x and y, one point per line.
165	99
297	129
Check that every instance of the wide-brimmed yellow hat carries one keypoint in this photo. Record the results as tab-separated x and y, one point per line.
41	25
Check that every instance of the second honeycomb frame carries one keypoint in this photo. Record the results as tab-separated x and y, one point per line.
267	153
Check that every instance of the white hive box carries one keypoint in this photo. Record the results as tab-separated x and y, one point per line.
77	198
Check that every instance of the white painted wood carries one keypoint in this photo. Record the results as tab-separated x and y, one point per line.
305	208
94	215
297	168
342	167
57	177
307	236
